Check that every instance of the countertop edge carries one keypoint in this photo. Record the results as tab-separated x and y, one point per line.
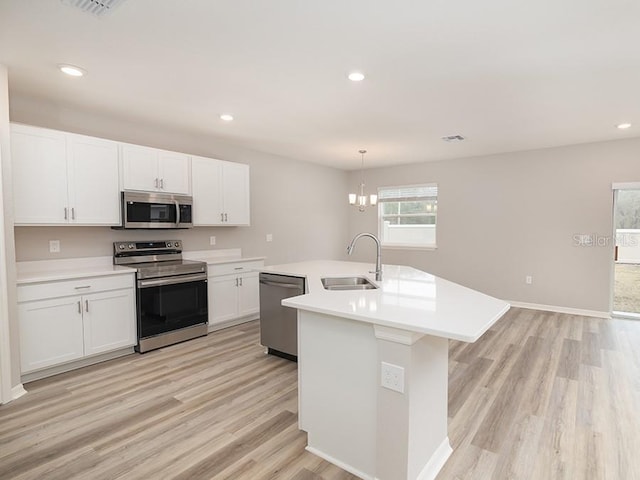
41	277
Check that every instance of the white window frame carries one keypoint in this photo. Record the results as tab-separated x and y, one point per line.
404	246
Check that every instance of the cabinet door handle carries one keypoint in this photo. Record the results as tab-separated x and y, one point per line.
238	268
236	281
240	281
225	218
73	213
162	183
155	183
86	305
79	307
82	287
221	217
66	215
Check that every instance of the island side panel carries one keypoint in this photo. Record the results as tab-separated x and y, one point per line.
412	425
337	365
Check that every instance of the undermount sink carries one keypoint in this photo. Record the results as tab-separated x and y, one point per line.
347	283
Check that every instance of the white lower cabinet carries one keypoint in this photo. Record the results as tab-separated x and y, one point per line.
109	321
50	333
233	293
56	330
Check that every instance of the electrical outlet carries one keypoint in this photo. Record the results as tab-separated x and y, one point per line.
212	240
392	377
269	237
528	279
54	246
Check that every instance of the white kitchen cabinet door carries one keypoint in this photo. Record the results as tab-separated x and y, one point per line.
235	191
223	299
94	192
206	174
248	295
39	164
50	332
174	172
109	321
140	168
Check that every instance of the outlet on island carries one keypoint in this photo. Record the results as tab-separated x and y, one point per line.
392	377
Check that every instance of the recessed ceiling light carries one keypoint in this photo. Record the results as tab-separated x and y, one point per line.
226	117
356	76
623	126
72	70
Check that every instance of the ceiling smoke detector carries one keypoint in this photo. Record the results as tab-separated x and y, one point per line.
95	7
453	138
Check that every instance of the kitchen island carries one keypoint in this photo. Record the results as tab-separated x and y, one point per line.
373	365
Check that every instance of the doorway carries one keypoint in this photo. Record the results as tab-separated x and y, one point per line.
626	218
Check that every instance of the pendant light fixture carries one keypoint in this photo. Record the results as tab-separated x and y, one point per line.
360	199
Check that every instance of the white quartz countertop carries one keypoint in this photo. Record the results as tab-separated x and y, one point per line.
65	269
217	257
70	268
407	299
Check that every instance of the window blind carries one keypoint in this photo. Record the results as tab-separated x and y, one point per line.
407	194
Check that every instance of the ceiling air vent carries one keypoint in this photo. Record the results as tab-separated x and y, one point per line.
95	7
453	138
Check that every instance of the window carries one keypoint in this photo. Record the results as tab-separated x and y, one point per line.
407	215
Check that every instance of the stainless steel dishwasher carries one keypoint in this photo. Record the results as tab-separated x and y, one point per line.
278	324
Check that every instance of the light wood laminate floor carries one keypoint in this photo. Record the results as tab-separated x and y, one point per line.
540	396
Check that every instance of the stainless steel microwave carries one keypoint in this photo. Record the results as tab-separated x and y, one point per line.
156	210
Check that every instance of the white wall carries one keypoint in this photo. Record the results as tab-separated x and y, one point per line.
502	217
299	203
8	305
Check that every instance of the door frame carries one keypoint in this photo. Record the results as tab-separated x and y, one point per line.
615	187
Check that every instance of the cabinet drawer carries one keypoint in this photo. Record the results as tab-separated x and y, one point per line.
234	268
80	286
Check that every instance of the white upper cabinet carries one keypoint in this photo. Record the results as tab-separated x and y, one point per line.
39	165
153	170
62	178
235	193
140	168
94	192
220	192
206	183
174	172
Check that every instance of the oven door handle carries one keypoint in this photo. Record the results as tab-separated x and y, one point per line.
177	213
158	282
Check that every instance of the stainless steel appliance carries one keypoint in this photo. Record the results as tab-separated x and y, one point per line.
156	210
278	324
171	293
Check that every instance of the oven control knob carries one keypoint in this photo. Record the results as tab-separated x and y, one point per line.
168	244
131	246
177	244
121	247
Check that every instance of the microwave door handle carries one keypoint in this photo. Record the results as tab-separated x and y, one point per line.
177	213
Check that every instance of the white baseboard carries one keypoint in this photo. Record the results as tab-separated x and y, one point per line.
17	392
83	362
553	308
232	323
338	463
436	462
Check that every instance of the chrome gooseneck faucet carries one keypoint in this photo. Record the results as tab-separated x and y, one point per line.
351	246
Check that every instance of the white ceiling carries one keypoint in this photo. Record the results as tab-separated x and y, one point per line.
507	74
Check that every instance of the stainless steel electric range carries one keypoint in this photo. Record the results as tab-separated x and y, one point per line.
171	293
